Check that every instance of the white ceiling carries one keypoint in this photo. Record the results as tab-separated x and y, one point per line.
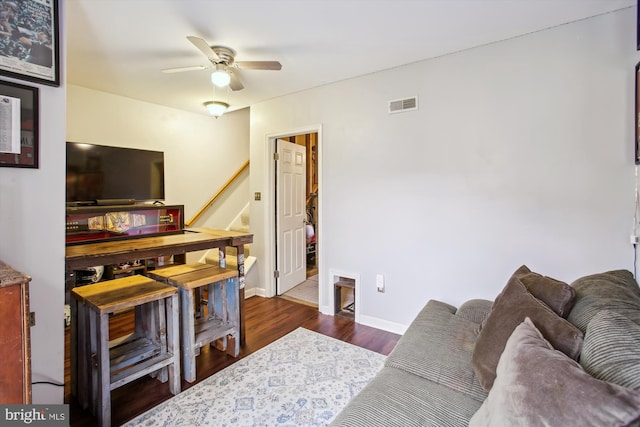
120	46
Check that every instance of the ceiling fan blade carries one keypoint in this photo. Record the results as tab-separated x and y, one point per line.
204	47
235	83
259	65
181	69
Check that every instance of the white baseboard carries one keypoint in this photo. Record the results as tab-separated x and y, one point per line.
254	292
325	309
385	325
374	322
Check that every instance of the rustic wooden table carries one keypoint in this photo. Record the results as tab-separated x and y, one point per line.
177	245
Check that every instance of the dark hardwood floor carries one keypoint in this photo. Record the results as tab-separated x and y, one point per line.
267	319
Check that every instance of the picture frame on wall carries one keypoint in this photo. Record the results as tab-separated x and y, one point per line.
19	125
29	41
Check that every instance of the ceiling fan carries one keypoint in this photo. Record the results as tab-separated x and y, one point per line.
223	61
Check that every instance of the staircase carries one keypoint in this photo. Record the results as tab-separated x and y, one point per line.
240	224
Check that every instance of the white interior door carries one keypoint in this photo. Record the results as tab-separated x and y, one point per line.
290	215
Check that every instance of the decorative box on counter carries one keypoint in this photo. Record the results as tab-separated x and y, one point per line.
88	224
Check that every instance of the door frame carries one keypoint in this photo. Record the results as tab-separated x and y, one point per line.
270	210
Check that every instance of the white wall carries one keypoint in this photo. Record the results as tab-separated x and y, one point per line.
32	235
201	153
521	152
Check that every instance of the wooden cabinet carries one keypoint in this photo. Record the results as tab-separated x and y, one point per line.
15	348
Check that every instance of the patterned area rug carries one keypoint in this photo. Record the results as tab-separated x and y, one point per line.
302	379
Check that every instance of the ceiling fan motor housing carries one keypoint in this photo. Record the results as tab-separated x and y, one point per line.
225	54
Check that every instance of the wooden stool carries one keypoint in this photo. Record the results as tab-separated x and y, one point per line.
223	309
101	365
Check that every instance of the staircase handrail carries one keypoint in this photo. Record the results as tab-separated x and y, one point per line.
215	197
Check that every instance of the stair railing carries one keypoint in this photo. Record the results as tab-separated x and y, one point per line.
215	197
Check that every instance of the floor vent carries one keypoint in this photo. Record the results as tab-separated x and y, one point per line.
401	105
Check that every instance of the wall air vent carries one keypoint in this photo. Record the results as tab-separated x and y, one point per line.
402	105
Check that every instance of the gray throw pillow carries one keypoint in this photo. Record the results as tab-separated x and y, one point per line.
537	385
611	350
508	311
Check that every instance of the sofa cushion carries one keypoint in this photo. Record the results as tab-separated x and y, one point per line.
509	310
437	346
611	350
538	385
396	398
614	290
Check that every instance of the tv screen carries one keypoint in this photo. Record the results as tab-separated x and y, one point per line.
102	173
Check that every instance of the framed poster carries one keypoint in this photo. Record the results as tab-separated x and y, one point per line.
29	41
18	125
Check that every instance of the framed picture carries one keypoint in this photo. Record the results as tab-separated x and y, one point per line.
18	125
29	41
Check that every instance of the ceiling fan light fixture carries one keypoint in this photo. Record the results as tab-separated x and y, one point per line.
216	108
221	77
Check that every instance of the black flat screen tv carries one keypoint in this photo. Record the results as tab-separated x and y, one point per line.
99	174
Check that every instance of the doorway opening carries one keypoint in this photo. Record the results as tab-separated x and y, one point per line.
310	142
307	290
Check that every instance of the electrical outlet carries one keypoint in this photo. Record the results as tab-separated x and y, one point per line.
257	195
380	283
635	239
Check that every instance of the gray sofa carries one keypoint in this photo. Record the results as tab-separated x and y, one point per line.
430	378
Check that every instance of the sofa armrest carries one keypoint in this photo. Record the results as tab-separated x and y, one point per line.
438	346
475	310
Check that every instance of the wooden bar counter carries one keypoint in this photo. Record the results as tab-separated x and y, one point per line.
177	245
